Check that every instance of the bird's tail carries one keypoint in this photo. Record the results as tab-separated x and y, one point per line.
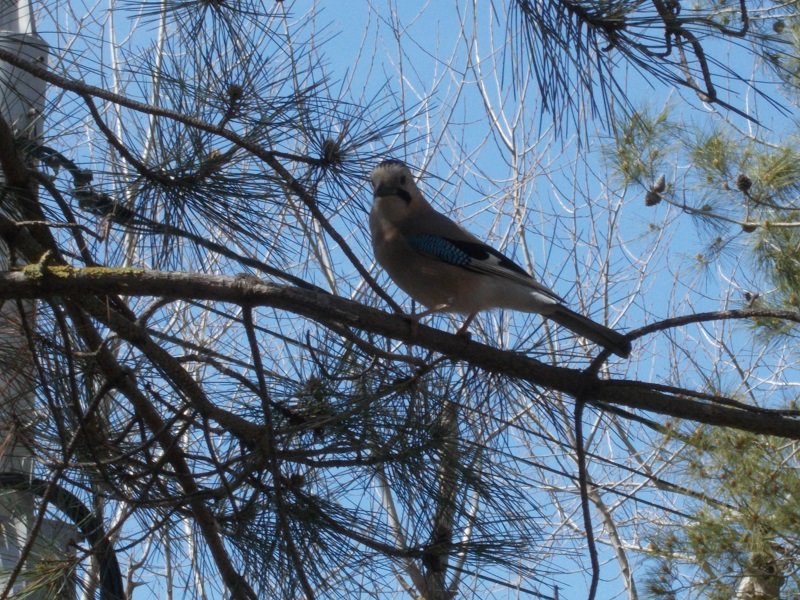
585	327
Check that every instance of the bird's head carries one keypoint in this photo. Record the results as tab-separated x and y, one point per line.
393	178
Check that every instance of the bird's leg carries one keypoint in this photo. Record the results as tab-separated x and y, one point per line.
420	315
463	329
416	317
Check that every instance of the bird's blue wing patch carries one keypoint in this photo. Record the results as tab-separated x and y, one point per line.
476	257
471	255
441	248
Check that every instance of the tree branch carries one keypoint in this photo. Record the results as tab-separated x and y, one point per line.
40	281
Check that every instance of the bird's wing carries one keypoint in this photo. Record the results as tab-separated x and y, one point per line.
477	257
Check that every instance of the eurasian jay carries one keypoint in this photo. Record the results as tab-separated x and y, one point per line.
447	269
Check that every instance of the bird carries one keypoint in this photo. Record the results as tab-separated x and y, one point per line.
448	270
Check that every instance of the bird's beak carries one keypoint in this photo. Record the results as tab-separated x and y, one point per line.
385	190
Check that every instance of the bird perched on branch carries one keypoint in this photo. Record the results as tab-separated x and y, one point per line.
447	269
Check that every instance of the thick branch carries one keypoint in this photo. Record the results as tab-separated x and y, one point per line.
38	281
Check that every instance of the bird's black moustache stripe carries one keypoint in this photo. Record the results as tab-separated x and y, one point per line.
384	191
404	195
